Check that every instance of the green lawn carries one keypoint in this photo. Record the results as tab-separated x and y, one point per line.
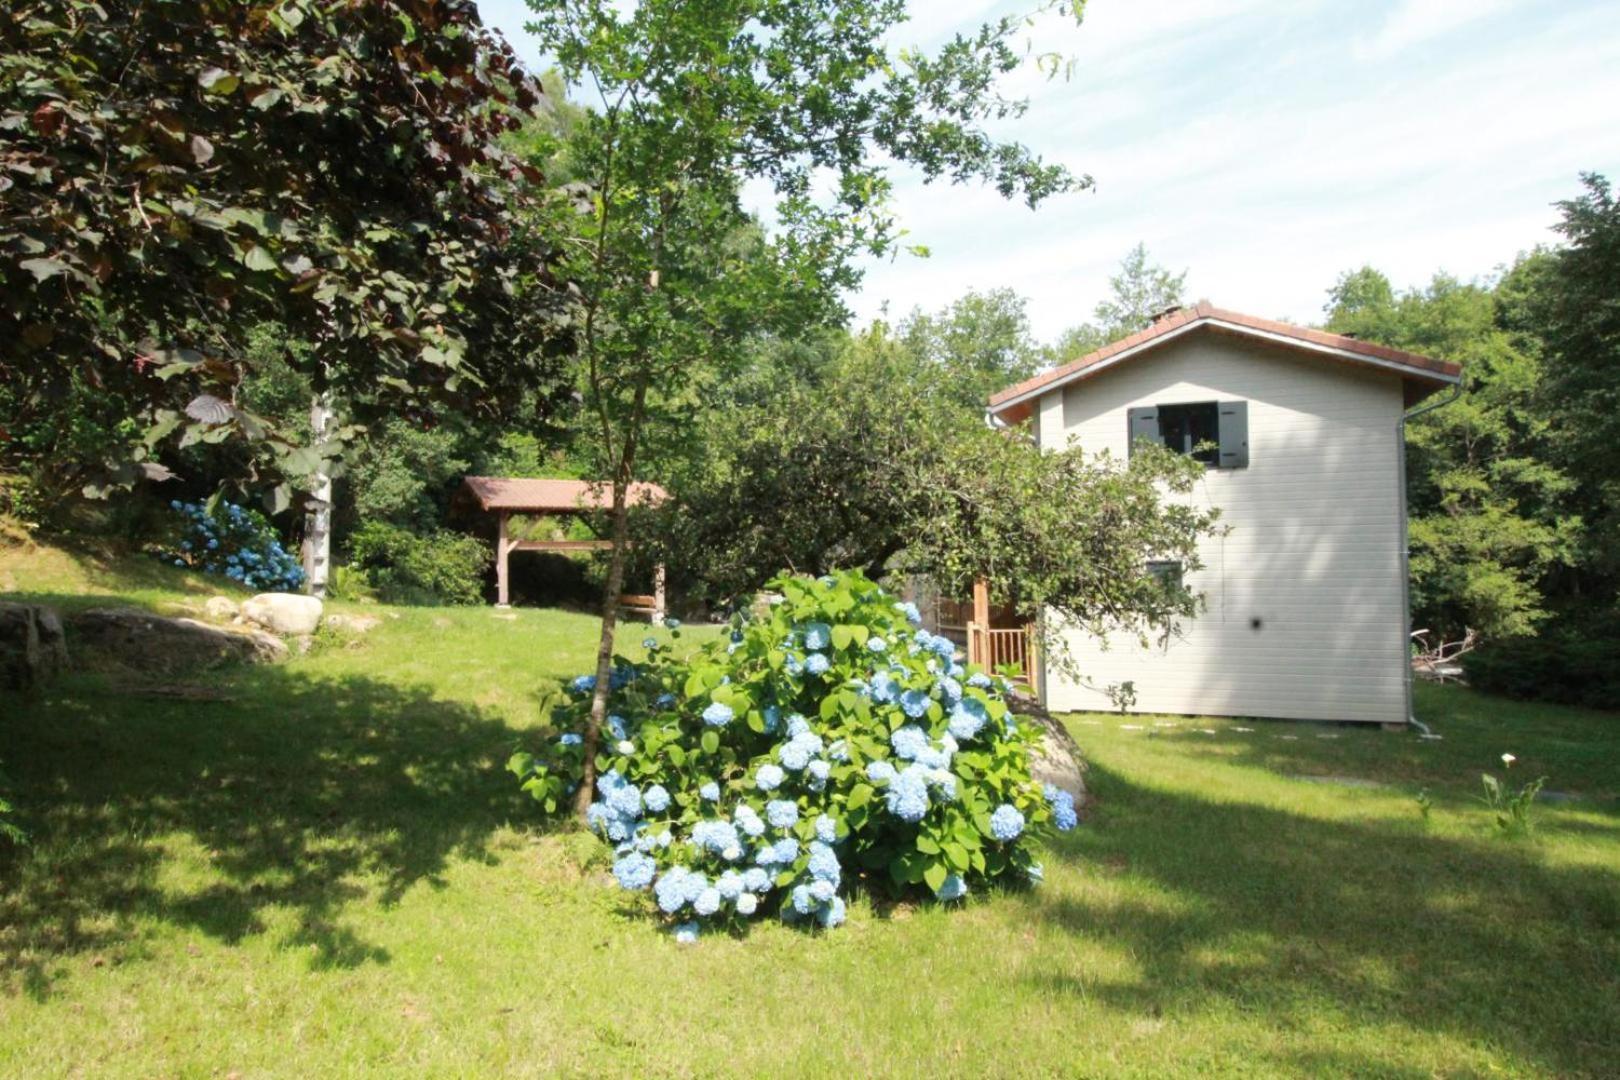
322	868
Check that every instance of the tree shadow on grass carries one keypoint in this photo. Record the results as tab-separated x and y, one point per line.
1295	918
298	795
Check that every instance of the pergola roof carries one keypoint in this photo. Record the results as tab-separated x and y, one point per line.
526	495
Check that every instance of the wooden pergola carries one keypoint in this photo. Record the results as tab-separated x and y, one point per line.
540	498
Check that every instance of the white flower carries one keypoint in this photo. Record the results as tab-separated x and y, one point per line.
626	747
1508	759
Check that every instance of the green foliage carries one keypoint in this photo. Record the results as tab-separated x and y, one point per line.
1511	808
1573	307
438	567
1139	291
829	705
404	473
1576	661
981	341
175	173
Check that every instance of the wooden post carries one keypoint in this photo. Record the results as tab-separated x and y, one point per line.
1032	649
658	593
501	551
979	631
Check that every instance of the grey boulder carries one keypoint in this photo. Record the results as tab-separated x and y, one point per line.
290	614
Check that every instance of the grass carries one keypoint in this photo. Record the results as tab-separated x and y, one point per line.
322	868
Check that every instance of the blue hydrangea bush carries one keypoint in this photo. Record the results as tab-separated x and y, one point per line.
829	742
236	543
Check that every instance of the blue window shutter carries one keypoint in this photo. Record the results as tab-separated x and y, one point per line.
1143	424
1234	435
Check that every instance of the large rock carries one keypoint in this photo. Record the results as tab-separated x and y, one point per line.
33	646
1057	760
284	613
149	643
221	608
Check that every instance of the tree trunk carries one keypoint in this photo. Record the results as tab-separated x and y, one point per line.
610	599
318	521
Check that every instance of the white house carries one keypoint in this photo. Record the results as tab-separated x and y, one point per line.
1306	592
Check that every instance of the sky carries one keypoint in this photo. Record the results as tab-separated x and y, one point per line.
1265	147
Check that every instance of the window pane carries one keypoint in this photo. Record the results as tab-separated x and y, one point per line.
1192	429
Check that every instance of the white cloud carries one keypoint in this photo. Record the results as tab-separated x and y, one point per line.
1415	21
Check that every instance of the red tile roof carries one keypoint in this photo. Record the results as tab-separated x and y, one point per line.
553	496
1013	403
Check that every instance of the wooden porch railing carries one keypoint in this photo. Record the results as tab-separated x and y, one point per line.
994	648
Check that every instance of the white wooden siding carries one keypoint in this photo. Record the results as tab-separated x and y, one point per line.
1314	546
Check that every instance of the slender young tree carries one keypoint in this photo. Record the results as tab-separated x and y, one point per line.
693	99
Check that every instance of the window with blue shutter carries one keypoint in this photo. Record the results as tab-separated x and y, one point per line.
1214	432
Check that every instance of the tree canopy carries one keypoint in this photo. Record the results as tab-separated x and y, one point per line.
177	172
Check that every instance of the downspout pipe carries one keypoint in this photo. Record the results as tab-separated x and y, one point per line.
1406	546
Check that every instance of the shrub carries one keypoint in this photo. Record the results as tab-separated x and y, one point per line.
1574	665
237	543
439	567
825	741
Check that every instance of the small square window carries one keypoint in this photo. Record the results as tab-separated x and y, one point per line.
1194	430
1168	571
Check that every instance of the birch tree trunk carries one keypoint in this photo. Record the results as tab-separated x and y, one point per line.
318	521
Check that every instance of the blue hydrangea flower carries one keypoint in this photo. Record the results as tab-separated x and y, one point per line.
797	725
1063	812
914	703
879	771
716	836
819	771
968	719
772	716
818	635
616	727
570	738
877	644
909	610
755	879
824	863
952	888
686	933
816	664
707	902
650	644
1006	823
803	902
769	777
943	783
729	885
907	797
827	829
839	751
710	791
747	820
944	647
785	850
908	742
656	798
670	889
822	891
664	700
673	624
884	688
949	689
583	684
635	871
718	714
782	813
794	665
747	904
625	801
832	914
